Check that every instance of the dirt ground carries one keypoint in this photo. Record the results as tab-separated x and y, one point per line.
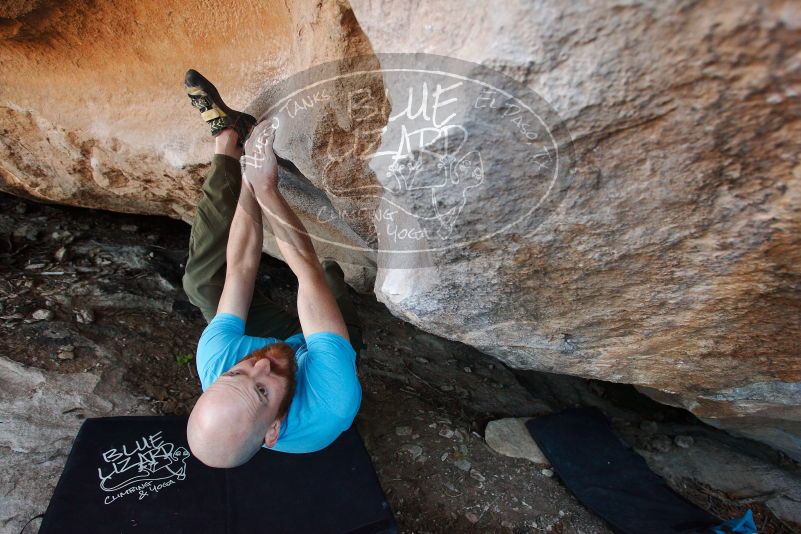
83	289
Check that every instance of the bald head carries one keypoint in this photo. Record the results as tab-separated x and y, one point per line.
224	429
244	408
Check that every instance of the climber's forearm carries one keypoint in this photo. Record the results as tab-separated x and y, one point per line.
243	254
318	310
246	235
293	241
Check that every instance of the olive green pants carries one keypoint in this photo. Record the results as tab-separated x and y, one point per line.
205	268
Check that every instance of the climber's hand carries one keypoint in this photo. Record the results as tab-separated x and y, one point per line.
259	166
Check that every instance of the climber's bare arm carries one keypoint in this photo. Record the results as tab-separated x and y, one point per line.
317	308
243	255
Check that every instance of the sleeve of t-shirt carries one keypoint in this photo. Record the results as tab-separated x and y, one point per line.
222	345
331	376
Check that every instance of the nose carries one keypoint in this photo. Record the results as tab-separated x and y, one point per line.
262	366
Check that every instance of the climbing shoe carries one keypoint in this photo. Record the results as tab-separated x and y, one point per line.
205	97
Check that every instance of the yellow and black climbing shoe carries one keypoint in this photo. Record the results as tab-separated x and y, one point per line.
205	97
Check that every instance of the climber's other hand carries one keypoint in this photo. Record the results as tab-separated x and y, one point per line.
259	165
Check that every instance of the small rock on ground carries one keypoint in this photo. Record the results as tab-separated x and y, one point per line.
464	465
477	475
84	316
661	443
42	315
415	451
510	437
649	427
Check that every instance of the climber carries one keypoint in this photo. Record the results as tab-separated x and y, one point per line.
269	379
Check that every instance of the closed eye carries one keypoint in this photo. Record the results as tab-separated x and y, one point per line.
262	391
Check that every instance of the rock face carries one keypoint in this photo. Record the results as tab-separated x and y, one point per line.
668	255
738	476
673	261
93	111
41	414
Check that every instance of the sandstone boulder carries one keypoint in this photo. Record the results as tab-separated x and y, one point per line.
92	107
673	260
665	252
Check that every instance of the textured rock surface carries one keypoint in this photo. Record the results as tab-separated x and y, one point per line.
511	438
742	479
41	413
92	107
672	261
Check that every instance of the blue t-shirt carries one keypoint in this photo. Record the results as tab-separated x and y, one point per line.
327	390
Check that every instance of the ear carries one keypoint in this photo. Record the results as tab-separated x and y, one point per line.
272	433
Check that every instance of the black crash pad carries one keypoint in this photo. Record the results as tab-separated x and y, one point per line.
612	480
136	474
